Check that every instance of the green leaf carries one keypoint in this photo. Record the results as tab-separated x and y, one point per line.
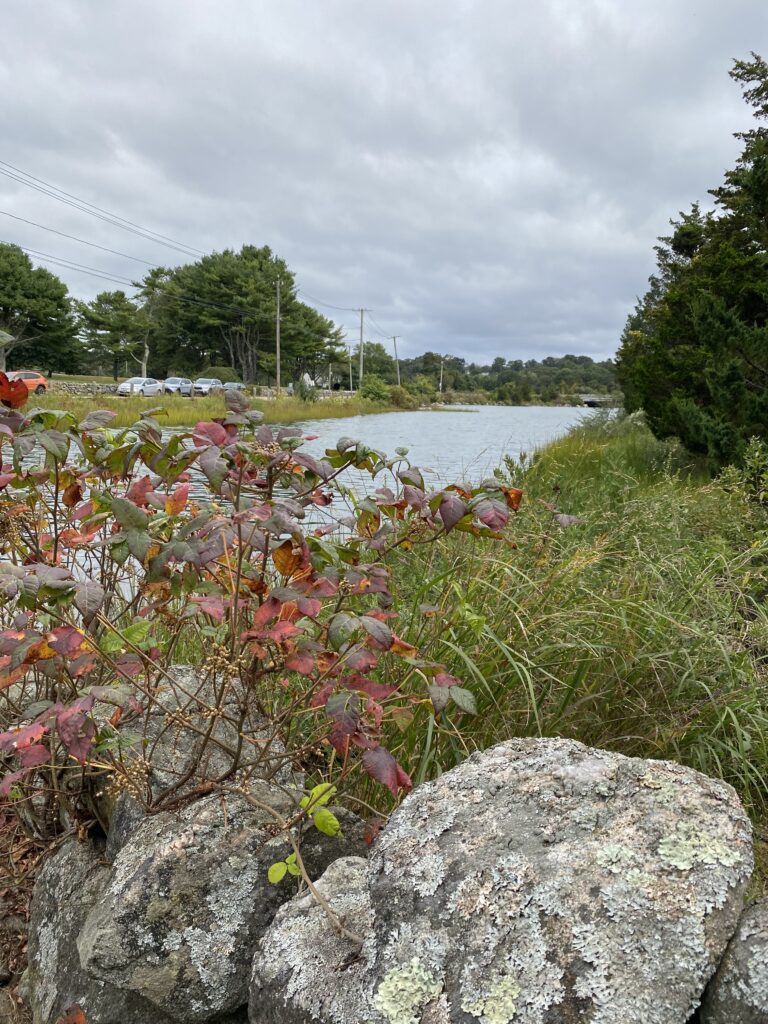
54	442
327	822
341	629
111	643
463	699
128	515
97	420
319	795
277	872
137	632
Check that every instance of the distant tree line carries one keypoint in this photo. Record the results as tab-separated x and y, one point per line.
220	314
694	352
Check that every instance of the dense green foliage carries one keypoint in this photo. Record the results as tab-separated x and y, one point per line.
640	627
36	323
509	382
694	353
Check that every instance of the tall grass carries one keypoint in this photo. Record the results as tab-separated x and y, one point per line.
641	628
185	412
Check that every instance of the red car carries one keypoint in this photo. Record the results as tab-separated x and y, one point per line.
34	381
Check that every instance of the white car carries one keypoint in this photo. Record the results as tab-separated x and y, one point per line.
205	385
140	386
178	386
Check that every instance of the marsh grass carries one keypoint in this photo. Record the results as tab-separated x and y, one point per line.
643	628
185	412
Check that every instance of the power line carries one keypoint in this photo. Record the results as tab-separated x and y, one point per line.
328	305
95	211
170	292
70	264
74	238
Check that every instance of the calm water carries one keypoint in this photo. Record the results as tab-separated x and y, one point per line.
465	443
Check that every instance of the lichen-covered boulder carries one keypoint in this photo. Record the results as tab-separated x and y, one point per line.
66	889
300	934
541	882
738	993
187	899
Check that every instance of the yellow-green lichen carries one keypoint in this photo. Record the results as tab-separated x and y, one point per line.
405	991
499	1006
686	846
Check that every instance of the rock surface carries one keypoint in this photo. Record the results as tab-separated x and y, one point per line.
738	993
540	882
301	933
187	899
66	889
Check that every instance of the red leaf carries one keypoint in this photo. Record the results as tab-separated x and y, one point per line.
451	509
10	780
76	729
444	679
68	641
15	740
382	767
33	756
362	660
211	605
207	432
401	647
13	393
492	513
378	691
282	631
300	662
139	492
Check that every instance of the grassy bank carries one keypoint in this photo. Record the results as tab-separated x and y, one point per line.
640	628
185	412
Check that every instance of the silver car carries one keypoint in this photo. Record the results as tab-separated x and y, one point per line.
206	385
140	386
178	386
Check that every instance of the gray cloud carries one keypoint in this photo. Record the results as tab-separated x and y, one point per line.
489	177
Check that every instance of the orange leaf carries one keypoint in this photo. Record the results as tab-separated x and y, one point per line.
73	1015
513	497
72	494
287	559
175	503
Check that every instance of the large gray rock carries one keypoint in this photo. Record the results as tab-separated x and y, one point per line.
332	980
188	898
541	882
66	889
738	993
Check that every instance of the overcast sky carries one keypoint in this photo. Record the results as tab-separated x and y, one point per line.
487	176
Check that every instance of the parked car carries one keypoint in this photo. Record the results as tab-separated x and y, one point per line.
34	381
178	386
234	385
140	386
205	385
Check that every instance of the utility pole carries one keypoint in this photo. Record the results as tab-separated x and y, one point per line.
360	371
441	374
349	353
397	361
277	337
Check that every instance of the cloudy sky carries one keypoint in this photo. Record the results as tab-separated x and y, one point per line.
487	176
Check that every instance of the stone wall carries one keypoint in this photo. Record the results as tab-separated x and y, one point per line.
65	387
